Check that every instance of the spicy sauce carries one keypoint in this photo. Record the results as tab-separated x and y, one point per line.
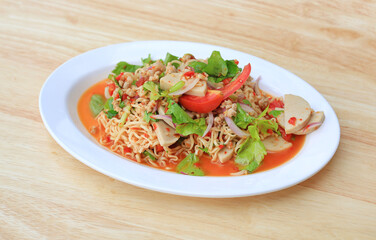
270	161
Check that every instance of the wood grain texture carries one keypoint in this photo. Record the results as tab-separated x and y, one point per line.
47	194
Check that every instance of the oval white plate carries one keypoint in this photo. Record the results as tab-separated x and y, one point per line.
58	106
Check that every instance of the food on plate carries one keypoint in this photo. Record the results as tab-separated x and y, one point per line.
201	117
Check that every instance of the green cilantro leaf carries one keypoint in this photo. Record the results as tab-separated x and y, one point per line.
147	60
147	117
109	108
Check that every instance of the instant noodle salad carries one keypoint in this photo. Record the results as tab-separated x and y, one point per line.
200	117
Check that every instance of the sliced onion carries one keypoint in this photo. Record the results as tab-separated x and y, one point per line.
235	128
313	125
256	86
107	93
210	124
166	118
246	108
186	88
214	85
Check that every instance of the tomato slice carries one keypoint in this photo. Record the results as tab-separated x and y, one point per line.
213	98
235	85
205	104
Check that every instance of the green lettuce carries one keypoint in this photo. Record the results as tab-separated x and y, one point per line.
187	166
96	104
198	126
125	67
153	88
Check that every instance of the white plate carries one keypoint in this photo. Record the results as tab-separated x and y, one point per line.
63	88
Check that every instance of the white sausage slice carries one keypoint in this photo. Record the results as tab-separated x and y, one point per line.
297	113
314	123
276	144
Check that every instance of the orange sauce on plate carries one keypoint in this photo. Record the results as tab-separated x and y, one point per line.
270	161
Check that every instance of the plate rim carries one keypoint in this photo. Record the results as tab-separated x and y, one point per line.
154	187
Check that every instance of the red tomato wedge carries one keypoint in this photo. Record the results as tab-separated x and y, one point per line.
205	104
235	85
213	98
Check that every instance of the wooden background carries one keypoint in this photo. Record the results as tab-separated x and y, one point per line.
47	194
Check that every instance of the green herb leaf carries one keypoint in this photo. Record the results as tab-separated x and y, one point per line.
245	101
275	113
187	166
205	150
147	60
125	67
233	70
125	115
148	154
198	126
216	65
122	104
251	152
153	88
96	104
147	117
264	125
242	118
179	85
110	112
169	58
178	114
197	66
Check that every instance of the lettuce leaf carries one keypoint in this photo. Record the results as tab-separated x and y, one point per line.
125	67
187	166
169	57
198	126
178	114
216	65
153	88
96	104
242	118
251	152
233	70
197	66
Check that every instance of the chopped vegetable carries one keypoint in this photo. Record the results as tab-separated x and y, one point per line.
179	116
147	61
197	126
216	65
242	118
169	57
125	115
96	104
177	86
197	66
153	88
275	113
125	67
109	108
251	152
148	154
205	150
187	166
148	117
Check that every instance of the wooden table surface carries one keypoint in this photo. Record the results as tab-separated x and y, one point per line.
45	193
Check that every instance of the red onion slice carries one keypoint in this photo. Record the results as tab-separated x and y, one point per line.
185	88
311	126
210	124
246	108
256	86
235	128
